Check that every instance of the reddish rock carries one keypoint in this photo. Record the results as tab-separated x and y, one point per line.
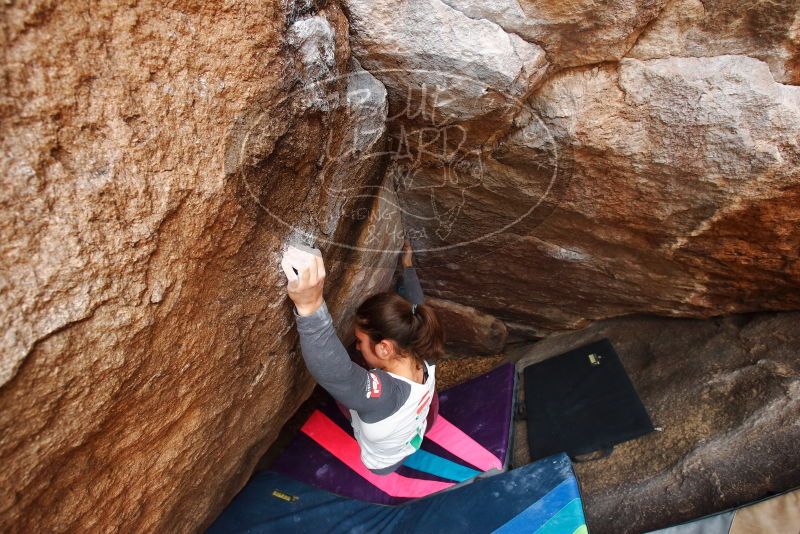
148	355
553	165
635	180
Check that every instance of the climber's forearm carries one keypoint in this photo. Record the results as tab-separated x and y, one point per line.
412	286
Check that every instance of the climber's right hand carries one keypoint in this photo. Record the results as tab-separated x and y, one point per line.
305	272
408	254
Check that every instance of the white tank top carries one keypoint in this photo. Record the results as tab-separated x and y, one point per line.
390	440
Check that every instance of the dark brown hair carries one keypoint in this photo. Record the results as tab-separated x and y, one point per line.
389	316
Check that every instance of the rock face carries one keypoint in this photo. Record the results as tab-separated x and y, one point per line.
766	30
154	162
369	265
726	393
553	163
624	180
468	331
443	68
411	42
572	33
679	196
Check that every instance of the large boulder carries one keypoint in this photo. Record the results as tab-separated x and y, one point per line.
553	163
612	178
155	160
725	395
665	186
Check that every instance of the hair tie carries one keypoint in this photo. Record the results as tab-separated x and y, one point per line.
414	309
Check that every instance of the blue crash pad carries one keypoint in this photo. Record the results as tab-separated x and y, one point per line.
542	497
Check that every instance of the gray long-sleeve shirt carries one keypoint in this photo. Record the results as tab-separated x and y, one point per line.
374	394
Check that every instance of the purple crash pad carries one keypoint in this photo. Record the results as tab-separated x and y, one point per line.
482	408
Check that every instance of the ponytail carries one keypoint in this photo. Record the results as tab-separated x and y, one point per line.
414	328
428	333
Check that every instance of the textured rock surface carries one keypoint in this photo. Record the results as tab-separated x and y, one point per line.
147	357
369	265
765	29
632	181
726	393
469	332
677	195
572	33
442	67
560	162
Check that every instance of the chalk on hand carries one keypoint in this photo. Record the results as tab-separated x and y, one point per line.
298	257
306	248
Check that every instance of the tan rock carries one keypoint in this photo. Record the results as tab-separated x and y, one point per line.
154	161
369	264
767	30
679	198
442	67
572	33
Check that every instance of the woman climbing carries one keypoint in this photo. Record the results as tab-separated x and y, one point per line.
392	402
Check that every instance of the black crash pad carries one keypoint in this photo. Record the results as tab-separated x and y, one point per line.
580	402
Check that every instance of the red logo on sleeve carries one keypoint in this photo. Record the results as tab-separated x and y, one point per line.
374	386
